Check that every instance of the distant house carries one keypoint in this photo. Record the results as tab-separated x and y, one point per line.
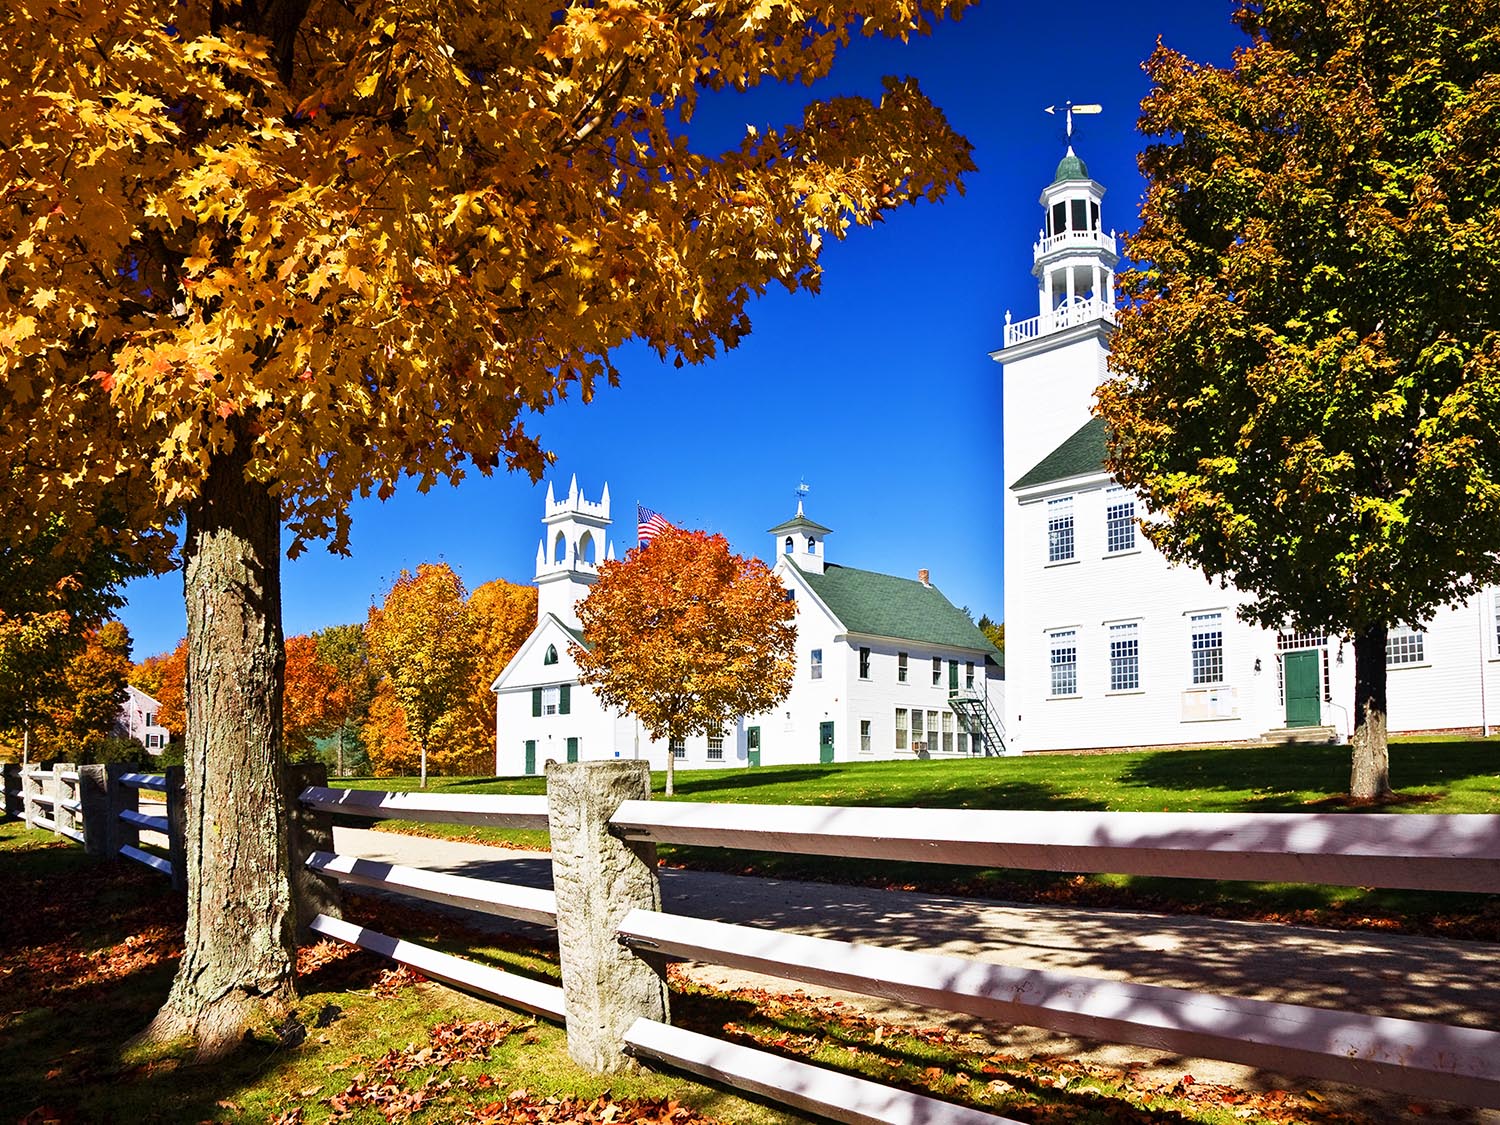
137	720
886	667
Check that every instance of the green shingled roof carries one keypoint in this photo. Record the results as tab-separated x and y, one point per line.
1070	167
881	605
799	522
1081	454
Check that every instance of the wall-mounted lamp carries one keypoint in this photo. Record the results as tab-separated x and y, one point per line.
1257	665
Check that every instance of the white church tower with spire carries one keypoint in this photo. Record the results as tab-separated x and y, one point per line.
573	544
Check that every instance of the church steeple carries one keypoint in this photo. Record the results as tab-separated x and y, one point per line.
1073	259
572	547
801	540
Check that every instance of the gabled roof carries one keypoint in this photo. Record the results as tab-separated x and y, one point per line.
548	622
1080	455
799	522
882	605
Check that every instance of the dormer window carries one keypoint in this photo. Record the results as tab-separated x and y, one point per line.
551	657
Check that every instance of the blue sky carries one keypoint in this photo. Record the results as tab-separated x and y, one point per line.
879	392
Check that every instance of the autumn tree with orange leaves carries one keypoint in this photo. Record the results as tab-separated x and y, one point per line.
315	699
501	616
260	258
686	636
164	678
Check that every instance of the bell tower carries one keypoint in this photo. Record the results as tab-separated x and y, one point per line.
572	547
1073	259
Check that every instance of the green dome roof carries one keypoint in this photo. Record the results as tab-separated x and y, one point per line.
1070	168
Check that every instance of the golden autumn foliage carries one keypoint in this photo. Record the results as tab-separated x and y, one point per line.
421	641
686	636
260	258
82	705
164	678
501	615
392	750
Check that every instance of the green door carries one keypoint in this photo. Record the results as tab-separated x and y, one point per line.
531	755
825	742
572	749
752	746
1303	700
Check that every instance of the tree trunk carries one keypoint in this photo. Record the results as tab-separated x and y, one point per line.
671	767
1370	774
236	974
422	747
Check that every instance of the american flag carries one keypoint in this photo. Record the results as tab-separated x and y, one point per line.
649	524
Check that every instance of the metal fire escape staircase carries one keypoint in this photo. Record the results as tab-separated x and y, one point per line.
974	712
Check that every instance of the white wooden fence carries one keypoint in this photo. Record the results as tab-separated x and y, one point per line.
1432	852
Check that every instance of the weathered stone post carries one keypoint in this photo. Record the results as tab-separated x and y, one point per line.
176	796
599	878
119	833
30	788
58	790
310	830
94	798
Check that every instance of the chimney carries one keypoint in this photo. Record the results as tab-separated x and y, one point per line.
923	575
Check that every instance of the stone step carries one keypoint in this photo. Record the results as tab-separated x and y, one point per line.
1283	735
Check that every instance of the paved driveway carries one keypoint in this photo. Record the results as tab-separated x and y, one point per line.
1421	978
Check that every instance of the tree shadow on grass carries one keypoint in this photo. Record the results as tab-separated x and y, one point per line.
1278	778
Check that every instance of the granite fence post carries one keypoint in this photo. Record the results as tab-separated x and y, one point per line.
309	830
599	878
94	798
176	796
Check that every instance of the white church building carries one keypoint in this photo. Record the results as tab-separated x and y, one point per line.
1108	644
886	667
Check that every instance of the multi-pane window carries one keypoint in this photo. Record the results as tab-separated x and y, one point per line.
679	747
963	741
901	729
969	674
916	729
937	670
716	747
1060	529
932	730
815	664
1124	657
1404	646
1207	647
1119	520
550	696
947	732
1064	662
865	746
901	667
1496	597
864	664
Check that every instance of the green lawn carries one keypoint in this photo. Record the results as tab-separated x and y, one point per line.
1432	775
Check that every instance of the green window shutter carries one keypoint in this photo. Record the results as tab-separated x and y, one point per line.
572	749
564	701
536	701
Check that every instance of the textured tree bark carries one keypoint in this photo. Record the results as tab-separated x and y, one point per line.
1370	772
236	973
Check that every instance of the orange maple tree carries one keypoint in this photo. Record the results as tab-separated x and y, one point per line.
502	615
164	678
262	257
686	636
315	698
387	739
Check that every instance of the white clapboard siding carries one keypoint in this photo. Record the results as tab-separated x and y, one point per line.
509	988
155	781
839	1097
1428	1060
142	820
438	808
529	904
155	862
1449	852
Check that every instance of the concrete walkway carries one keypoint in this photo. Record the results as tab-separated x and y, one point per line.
1379	974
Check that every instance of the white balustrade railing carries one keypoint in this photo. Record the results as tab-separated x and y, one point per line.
1066	315
1069	239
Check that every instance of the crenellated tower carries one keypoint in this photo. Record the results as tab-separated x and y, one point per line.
572	547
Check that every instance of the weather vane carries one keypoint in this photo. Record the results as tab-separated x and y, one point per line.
1070	109
802	489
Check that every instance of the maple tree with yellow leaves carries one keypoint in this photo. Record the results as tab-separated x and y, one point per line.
686	636
262	256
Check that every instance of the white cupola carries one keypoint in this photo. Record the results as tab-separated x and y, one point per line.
1073	259
572	547
801	541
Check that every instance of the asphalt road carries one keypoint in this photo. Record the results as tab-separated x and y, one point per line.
1430	979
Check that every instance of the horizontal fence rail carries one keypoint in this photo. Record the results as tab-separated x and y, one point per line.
1422	1059
828	1093
1442	852
431	808
528	904
155	862
144	820
497	984
155	781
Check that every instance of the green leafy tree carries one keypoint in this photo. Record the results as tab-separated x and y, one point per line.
343	647
1306	386
994	631
686	636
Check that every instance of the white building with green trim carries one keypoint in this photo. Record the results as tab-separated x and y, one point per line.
886	667
1108	644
